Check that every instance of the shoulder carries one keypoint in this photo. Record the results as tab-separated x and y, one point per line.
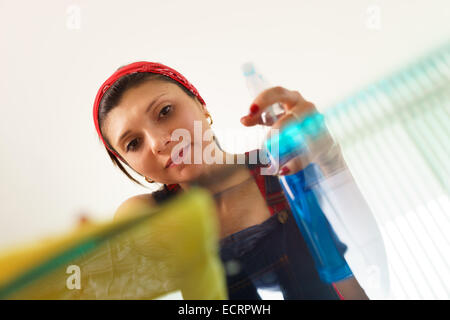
126	207
148	199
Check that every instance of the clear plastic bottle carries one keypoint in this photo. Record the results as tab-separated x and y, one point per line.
325	199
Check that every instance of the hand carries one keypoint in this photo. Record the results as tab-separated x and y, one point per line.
296	108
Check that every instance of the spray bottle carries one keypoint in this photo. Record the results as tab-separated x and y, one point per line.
324	198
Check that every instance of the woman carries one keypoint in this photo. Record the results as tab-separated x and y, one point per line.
136	113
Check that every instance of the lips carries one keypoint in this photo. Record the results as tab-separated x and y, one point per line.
170	163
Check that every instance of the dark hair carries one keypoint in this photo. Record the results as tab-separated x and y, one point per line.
112	97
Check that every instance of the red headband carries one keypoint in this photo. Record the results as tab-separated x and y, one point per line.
141	66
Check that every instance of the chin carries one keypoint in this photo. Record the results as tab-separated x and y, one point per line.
189	172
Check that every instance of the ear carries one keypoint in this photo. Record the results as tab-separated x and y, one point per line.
202	107
205	111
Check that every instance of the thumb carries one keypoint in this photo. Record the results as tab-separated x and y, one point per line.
294	165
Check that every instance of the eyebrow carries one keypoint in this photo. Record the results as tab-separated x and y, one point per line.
126	133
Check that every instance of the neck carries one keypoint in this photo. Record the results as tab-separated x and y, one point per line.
233	189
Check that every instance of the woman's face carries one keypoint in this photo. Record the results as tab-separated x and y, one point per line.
140	127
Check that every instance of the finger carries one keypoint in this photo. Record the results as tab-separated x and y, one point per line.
83	219
248	120
265	99
295	165
254	109
290	100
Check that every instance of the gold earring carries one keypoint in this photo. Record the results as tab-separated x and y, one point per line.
149	180
210	118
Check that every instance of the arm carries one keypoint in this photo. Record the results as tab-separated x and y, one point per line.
350	289
128	205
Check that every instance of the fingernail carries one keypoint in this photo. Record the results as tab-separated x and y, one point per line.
284	171
254	108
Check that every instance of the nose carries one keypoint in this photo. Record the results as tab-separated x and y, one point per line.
159	142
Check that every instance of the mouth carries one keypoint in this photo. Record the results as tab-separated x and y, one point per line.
170	163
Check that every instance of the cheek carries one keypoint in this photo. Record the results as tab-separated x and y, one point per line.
186	121
195	125
145	164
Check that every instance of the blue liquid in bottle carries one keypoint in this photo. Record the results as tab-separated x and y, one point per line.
301	190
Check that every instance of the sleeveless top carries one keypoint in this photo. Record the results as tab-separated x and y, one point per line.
270	260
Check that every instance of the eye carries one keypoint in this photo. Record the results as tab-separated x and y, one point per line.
133	145
164	111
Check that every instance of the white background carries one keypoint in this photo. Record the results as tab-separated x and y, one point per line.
55	55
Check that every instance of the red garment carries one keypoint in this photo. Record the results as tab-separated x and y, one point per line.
271	190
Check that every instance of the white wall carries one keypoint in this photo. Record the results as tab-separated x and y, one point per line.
53	61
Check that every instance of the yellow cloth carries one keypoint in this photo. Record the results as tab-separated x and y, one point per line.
148	253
